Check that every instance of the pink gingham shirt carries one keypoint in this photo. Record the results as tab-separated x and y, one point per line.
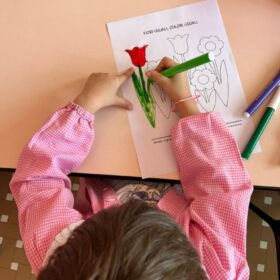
213	210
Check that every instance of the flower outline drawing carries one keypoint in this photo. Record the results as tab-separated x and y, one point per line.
180	44
200	76
211	44
141	86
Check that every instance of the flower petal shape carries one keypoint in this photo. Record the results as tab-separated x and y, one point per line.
180	44
210	44
203	79
138	55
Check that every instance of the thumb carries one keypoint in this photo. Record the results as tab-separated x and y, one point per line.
157	77
125	75
123	103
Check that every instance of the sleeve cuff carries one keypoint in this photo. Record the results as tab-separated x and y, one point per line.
197	117
71	106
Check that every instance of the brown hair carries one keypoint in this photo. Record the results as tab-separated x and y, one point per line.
134	241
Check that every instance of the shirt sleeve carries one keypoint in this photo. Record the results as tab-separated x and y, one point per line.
217	191
40	185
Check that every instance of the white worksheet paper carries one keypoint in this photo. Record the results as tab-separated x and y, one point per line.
180	33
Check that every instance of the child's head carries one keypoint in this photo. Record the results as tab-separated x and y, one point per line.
133	241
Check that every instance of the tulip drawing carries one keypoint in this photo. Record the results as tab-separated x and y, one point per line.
138	56
180	45
146	99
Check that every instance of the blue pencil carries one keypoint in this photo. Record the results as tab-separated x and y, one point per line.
263	96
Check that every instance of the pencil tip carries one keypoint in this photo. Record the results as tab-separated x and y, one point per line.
211	56
246	115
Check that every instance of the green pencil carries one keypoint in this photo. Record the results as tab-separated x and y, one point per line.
271	108
197	61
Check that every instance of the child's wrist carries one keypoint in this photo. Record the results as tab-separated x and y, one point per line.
88	104
185	99
185	109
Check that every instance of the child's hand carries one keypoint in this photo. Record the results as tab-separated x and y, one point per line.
175	87
101	91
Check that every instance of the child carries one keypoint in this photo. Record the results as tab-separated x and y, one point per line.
199	233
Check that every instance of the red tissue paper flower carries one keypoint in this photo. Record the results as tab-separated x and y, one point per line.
138	56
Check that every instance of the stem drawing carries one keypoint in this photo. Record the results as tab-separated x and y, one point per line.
162	101
145	97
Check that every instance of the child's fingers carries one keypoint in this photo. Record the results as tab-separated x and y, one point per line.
157	77
165	63
125	75
124	103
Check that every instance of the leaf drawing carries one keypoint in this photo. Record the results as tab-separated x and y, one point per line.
223	87
162	101
207	100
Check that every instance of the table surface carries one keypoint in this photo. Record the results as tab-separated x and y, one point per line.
48	49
